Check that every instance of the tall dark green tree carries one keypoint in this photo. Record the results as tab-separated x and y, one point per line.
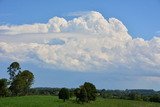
77	93
21	83
64	94
13	70
91	91
83	95
4	87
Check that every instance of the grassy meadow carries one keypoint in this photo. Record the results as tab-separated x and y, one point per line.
53	101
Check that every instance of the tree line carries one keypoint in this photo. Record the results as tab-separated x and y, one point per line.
128	94
134	94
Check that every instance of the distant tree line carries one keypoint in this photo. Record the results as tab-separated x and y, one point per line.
19	81
136	94
45	91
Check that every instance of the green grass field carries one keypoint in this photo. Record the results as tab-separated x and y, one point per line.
53	101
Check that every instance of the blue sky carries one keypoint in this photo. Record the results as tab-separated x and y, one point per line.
132	67
140	16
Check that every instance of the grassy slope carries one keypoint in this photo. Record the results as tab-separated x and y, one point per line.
52	101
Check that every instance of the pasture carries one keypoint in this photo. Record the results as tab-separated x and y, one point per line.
53	101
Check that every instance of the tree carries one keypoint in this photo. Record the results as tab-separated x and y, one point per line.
71	93
91	91
86	92
155	98
83	95
12	69
63	94
28	78
134	96
77	93
3	87
21	83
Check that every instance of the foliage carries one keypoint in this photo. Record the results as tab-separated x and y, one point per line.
21	83
141	94
44	91
134	96
77	93
12	69
64	94
71	93
3	88
91	91
155	98
83	95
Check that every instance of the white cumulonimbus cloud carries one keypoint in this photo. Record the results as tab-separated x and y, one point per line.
87	43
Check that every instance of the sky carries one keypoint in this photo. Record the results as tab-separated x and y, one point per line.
113	44
140	16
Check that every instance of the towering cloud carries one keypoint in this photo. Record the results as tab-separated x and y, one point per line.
90	22
87	43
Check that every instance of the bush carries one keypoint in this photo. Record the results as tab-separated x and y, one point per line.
4	91
64	94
